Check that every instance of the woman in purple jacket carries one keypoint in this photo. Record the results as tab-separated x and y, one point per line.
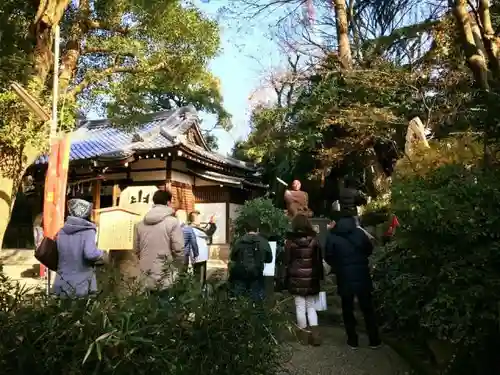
78	253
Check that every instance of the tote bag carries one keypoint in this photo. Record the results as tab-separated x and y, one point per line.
47	254
320	302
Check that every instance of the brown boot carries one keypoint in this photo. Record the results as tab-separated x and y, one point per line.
303	336
315	338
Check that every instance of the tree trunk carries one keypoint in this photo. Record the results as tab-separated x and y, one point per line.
17	161
49	14
72	50
377	182
475	60
344	46
490	40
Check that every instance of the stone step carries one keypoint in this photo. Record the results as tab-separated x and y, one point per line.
219	252
17	256
21	266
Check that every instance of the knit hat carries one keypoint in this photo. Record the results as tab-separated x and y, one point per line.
79	208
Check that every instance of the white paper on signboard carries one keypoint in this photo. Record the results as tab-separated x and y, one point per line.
137	198
269	268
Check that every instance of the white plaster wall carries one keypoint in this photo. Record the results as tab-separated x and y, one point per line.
179	164
148	164
149	176
234	210
219	211
116	176
182	177
233	214
202	182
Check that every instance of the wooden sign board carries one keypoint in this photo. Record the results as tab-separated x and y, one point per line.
138	199
116	228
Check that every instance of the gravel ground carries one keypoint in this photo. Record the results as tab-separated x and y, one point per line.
334	357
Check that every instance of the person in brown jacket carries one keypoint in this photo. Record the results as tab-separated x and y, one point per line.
304	272
297	201
159	244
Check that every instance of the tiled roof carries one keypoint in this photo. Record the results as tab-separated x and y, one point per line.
225	179
218	158
99	139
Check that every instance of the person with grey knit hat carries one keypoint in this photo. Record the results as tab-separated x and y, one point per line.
78	253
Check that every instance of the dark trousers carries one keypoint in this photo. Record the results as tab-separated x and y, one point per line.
253	289
366	305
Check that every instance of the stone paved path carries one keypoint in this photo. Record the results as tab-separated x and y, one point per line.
334	357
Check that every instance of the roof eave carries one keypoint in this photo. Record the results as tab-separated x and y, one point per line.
185	149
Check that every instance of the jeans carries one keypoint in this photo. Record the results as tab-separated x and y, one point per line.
306	311
366	305
253	289
200	273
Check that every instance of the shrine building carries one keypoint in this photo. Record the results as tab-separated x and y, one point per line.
115	168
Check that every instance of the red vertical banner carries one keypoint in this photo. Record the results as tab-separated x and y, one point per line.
56	180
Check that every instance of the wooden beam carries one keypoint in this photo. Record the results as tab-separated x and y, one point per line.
228	220
96	200
116	194
168	172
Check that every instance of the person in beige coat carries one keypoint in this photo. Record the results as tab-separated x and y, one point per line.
159	244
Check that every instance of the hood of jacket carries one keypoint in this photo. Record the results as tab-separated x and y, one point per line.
345	226
251	238
75	224
301	238
157	214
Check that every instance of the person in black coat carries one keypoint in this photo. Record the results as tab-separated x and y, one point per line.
350	198
347	250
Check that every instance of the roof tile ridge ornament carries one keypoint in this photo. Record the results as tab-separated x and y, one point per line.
158	130
183	115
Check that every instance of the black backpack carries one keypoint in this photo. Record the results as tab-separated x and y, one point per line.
248	263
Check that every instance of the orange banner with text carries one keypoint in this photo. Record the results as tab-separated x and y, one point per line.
56	181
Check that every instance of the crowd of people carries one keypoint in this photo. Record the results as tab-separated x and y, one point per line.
165	237
346	252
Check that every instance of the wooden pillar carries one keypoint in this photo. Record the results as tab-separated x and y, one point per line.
116	194
168	172
96	200
168	167
228	219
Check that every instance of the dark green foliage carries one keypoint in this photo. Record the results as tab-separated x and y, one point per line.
440	279
176	333
271	220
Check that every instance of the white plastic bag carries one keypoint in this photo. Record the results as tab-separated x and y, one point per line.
326	268
336	206
320	302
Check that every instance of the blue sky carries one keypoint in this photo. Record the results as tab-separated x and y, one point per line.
239	72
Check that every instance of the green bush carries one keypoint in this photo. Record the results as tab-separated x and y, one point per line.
376	212
271	219
440	279
179	333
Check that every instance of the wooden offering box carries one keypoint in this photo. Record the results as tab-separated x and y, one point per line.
116	228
